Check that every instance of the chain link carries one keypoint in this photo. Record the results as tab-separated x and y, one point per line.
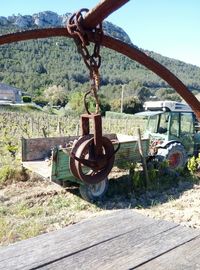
92	61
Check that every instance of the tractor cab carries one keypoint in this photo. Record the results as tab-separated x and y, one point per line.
168	122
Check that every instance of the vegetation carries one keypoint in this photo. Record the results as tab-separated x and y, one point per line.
47	207
26	99
53	74
193	164
51	69
29	206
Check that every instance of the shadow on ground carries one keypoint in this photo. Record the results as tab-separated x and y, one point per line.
121	194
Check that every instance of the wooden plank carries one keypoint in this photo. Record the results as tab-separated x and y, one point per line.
186	256
40	148
130	250
63	243
120	240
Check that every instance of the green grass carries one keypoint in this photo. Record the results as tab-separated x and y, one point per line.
23	108
27	218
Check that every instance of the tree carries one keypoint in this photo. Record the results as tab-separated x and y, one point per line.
115	105
104	105
56	95
167	94
76	103
132	105
143	93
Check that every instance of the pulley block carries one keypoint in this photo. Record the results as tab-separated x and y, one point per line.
88	168
92	157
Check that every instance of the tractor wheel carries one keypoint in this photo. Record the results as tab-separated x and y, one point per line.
94	192
175	154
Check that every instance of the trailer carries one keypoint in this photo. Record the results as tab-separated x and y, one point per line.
50	158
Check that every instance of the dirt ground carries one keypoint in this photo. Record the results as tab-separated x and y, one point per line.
183	207
29	208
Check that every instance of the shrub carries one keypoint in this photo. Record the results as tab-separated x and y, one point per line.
160	176
6	172
193	164
26	99
117	115
10	173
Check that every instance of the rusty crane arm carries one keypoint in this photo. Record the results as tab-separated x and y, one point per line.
93	18
97	14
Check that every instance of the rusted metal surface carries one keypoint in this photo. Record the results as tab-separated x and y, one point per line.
73	156
33	34
89	163
101	11
98	168
97	123
156	67
92	157
121	47
92	60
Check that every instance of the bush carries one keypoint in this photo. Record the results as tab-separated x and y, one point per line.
193	164
10	173
117	115
6	172
26	99
161	177
40	100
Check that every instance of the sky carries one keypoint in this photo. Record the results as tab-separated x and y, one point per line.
168	27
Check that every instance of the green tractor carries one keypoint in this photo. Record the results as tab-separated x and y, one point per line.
172	130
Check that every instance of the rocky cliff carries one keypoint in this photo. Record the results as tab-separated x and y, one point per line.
52	19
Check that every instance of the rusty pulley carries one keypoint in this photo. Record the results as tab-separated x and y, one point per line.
92	157
86	166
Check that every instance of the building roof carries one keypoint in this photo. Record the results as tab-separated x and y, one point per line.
4	86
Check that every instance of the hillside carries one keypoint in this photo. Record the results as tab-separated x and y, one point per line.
35	65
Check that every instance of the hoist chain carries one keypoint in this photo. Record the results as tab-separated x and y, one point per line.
92	151
92	61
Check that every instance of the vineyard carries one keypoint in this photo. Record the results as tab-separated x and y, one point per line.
14	126
30	205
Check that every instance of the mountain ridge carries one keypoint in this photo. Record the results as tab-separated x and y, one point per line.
37	64
52	19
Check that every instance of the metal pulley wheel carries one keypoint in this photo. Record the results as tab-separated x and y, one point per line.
88	167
